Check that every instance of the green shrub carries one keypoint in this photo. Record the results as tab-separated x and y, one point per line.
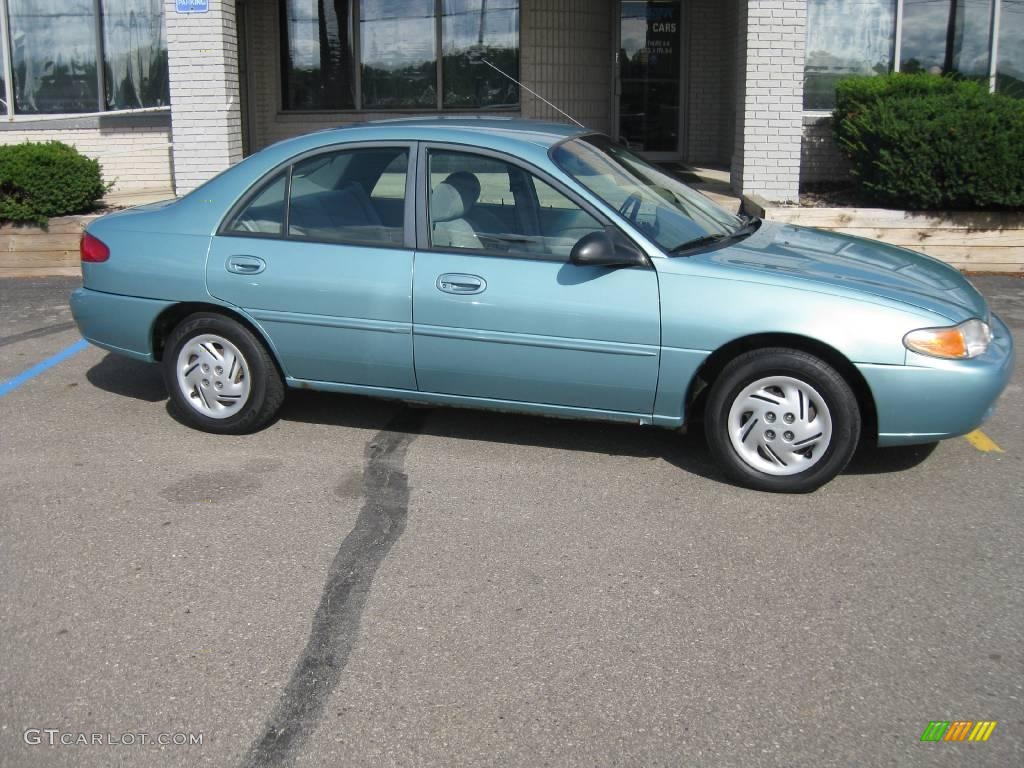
38	181
923	141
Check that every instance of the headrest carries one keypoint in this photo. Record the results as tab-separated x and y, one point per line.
454	196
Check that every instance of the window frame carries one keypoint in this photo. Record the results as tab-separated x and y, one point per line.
286	167
423	229
357	73
10	114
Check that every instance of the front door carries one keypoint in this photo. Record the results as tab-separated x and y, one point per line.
321	257
649	70
500	313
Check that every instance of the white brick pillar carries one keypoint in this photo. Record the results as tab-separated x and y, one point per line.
206	119
770	92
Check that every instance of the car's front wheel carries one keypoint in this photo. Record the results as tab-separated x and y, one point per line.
781	420
220	377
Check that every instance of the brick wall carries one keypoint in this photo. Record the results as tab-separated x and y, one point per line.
821	159
203	71
770	99
566	56
132	157
710	80
705	72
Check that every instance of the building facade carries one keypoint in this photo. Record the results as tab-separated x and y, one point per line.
166	93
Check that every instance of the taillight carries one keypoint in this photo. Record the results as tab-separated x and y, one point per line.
93	249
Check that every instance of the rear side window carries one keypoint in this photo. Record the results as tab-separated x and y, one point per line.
354	196
264	215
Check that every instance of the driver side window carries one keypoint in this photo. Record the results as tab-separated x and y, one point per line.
484	204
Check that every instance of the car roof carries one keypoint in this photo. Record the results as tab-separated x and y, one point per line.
462	129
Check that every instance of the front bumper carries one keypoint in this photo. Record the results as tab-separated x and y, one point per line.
928	399
122	324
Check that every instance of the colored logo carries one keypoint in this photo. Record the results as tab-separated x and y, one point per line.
958	730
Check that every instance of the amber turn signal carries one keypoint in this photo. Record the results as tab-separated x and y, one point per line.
969	339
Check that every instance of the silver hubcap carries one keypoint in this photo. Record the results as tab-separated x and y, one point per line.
213	376
780	425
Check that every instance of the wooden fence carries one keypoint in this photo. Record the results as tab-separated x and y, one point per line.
974	241
27	251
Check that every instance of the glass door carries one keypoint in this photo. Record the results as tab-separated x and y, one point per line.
649	63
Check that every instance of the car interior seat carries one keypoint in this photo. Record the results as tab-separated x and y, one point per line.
450	201
333	209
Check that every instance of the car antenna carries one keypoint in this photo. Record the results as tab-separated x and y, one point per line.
476	57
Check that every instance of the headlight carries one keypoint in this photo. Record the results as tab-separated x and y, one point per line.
969	339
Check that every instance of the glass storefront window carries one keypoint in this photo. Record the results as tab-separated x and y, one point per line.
135	54
489	28
845	37
398	43
53	56
398	54
318	59
1010	62
649	71
946	38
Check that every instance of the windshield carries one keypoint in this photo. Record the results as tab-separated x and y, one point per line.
667	211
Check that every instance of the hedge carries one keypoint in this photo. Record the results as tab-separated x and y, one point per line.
924	141
40	180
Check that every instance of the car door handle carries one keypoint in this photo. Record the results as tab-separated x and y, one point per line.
245	265
463	285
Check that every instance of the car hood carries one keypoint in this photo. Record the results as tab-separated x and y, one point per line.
867	266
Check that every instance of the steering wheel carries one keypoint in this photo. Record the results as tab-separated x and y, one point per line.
630	207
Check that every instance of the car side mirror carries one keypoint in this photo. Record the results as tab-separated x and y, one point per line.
604	249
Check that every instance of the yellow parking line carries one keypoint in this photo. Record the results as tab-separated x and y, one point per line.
983	442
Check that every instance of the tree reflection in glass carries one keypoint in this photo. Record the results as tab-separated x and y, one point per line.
489	28
946	37
135	54
398	54
53	55
318	65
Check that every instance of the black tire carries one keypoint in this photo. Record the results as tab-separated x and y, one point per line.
752	366
266	387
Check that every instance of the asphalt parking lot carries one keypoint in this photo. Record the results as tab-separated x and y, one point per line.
365	583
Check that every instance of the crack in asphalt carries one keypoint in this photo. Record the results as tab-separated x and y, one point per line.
35	333
336	621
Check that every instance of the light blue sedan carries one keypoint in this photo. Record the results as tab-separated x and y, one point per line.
544	269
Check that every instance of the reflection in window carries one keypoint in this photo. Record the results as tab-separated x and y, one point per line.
53	55
398	53
845	37
318	58
135	54
1010	65
946	37
489	28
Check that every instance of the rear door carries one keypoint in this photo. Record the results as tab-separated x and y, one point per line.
321	255
499	311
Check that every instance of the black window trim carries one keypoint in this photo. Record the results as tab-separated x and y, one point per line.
423	202
270	176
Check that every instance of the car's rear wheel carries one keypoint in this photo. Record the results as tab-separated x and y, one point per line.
781	420
220	377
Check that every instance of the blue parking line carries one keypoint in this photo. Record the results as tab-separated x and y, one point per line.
12	384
